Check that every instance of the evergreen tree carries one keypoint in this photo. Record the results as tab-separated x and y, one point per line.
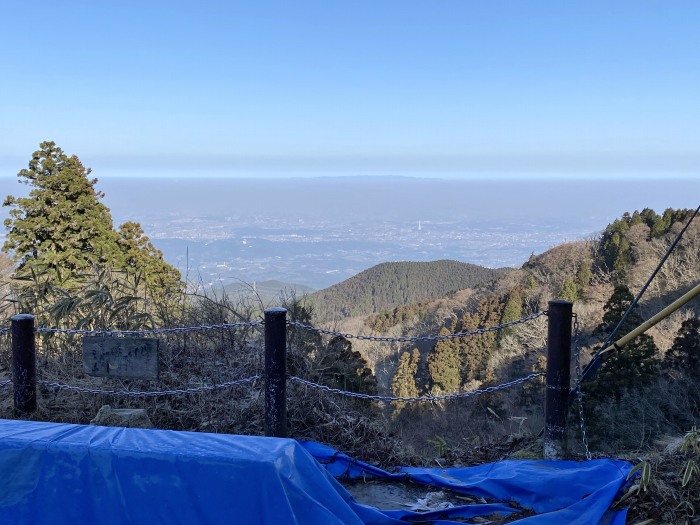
69	257
61	225
512	311
568	290
344	368
635	364
139	255
583	277
684	355
475	350
403	383
444	364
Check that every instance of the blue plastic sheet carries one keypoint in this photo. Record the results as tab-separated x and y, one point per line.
72	474
559	492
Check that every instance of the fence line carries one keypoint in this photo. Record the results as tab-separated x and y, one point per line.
252	379
149	331
430	399
160	393
458	335
294	324
275	376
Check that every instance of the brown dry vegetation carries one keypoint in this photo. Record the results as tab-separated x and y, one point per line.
467	431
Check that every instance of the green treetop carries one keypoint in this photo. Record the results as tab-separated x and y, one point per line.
635	364
61	224
65	247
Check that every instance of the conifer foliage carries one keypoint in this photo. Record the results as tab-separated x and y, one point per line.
61	224
67	252
635	364
684	355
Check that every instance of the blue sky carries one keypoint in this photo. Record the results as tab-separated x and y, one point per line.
445	88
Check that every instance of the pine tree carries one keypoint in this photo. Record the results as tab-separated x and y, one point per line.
476	350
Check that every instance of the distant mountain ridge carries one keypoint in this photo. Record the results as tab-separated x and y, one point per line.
391	284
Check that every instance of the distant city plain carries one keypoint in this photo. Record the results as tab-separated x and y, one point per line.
319	231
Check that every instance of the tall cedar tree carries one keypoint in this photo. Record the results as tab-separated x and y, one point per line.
403	383
635	364
139	255
63	232
61	225
684	355
512	311
444	365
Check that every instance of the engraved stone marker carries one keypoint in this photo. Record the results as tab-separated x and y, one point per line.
134	358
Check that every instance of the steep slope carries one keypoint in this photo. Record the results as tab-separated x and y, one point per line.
391	284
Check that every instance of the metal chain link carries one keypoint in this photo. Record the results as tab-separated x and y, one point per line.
151	331
579	393
446	397
162	393
416	339
4	330
3	384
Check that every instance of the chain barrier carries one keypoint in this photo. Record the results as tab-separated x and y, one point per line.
579	393
5	383
150	331
446	397
416	339
162	393
4	330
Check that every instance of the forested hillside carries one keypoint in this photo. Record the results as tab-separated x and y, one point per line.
643	391
387	285
77	273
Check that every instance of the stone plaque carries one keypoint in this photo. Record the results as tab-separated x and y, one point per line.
132	357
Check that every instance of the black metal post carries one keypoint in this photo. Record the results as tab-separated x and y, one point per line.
276	372
556	401
24	363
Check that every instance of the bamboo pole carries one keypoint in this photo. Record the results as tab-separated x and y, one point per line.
663	314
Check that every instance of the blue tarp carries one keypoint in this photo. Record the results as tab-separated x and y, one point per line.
73	474
559	492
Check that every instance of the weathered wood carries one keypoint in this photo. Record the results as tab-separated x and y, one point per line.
128	358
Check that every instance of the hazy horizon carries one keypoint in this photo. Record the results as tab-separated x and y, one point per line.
319	231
